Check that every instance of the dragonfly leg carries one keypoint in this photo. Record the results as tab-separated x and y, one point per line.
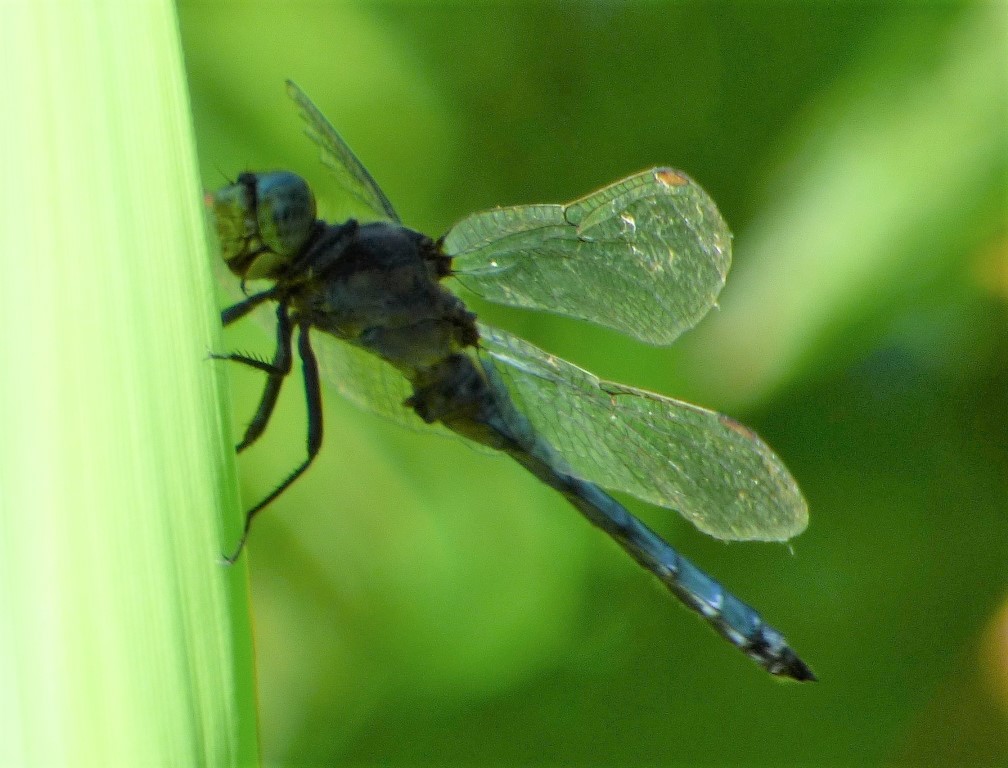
275	372
313	403
242	308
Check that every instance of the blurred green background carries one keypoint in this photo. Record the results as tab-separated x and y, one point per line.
419	603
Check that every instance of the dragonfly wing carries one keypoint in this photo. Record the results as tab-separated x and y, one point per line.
714	471
350	173
646	256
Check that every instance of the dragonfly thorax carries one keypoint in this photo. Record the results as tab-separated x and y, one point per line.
378	287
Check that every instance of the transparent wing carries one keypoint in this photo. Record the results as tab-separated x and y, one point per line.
350	173
715	472
646	256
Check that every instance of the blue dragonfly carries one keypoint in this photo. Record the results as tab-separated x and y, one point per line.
646	255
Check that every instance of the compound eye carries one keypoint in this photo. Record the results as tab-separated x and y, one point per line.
235	219
285	210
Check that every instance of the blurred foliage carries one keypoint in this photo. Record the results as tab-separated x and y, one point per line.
419	602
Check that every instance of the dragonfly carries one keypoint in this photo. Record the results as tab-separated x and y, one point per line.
370	305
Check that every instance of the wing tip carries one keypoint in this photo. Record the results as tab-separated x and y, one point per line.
670	177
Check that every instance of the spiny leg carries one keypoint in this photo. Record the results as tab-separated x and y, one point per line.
313	403
275	372
242	308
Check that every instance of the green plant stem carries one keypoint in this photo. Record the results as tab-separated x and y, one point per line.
123	640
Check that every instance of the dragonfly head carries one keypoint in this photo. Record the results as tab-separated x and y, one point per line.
264	220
